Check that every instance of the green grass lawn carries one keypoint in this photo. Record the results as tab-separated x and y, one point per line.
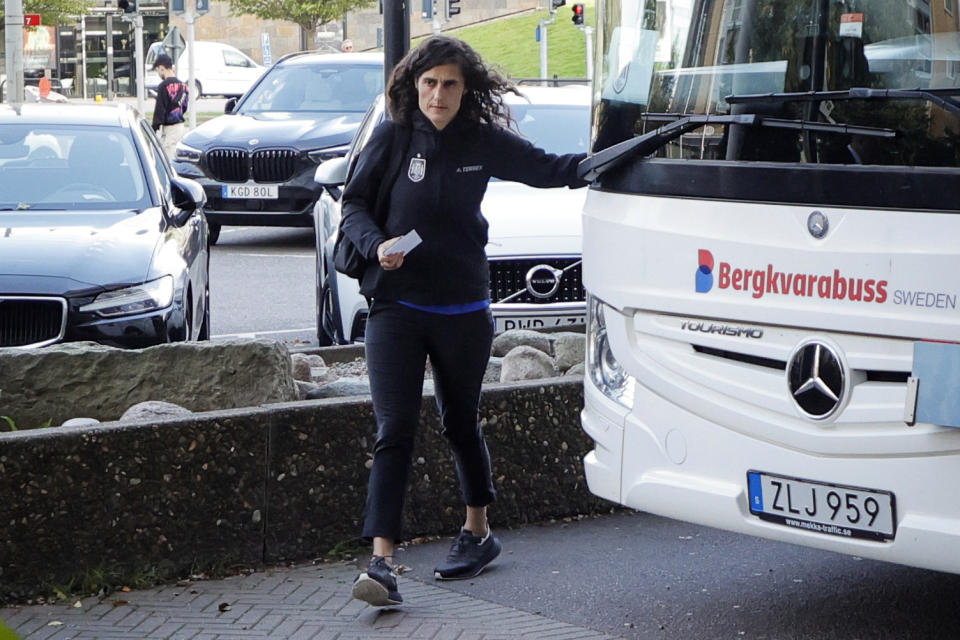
510	43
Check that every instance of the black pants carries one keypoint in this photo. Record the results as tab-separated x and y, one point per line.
398	340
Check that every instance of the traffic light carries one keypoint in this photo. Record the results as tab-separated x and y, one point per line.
555	4
127	6
577	14
452	8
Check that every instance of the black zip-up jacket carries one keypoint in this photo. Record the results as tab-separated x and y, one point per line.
438	191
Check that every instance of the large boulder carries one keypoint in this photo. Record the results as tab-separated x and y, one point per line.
492	373
340	388
86	379
569	349
506	341
152	410
304	366
576	370
526	363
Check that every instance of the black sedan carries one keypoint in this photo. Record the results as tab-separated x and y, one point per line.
256	163
99	238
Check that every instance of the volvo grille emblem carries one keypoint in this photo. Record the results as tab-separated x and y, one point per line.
543	281
818	225
816	379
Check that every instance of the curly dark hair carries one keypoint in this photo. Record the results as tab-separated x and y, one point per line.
483	99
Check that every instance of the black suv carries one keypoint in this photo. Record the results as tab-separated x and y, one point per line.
256	163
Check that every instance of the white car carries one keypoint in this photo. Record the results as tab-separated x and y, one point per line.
534	237
219	69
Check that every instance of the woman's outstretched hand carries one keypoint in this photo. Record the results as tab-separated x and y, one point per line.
392	261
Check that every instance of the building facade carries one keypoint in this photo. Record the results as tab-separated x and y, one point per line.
96	54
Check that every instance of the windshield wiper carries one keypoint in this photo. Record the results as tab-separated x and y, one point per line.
935	96
599	163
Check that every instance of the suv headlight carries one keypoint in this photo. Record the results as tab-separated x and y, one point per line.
149	296
605	372
320	155
185	153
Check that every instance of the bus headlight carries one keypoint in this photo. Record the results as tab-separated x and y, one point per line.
606	373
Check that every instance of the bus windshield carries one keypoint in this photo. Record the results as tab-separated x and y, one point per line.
848	82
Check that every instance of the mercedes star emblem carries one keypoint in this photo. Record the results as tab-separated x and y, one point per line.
816	379
818	225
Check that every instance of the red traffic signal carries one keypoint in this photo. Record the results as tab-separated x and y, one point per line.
577	14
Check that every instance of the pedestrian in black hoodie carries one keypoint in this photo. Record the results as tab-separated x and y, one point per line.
171	105
447	108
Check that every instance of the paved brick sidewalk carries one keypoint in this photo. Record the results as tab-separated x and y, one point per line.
298	603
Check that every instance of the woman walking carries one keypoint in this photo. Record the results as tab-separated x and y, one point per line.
450	130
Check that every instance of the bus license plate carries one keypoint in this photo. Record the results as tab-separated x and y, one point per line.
535	322
250	191
832	509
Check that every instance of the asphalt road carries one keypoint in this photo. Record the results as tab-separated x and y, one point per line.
262	285
641	576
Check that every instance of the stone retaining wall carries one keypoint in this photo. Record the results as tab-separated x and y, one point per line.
266	484
83	379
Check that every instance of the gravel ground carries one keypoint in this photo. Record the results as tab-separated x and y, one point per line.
351	369
358	367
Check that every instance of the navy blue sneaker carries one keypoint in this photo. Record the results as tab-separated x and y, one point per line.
378	585
468	556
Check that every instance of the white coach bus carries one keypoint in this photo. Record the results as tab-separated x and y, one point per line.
772	253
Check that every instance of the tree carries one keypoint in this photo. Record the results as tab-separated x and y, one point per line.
54	12
308	14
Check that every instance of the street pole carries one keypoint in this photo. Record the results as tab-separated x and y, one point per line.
82	60
138	53
543	45
13	23
588	32
396	34
109	21
544	23
190	17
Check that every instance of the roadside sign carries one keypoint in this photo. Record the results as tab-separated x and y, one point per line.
31	19
174	44
851	25
265	48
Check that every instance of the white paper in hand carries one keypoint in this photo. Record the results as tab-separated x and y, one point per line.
405	244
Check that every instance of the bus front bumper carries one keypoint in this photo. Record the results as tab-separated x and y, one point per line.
667	461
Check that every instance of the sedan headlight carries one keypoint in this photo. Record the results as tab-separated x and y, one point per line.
186	153
320	155
149	296
606	373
